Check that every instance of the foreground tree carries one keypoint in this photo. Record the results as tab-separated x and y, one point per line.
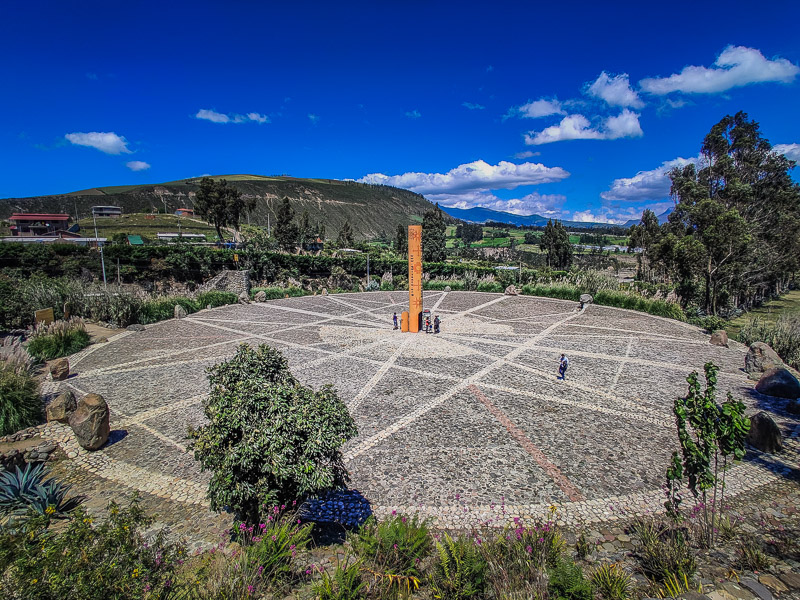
345	239
269	439
220	204
286	230
401	243
434	238
555	243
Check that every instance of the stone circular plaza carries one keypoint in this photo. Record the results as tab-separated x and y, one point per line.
466	427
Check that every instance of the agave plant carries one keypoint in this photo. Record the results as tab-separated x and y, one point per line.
28	490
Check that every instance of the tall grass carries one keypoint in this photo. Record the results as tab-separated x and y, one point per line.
59	338
20	404
783	336
216	298
274	293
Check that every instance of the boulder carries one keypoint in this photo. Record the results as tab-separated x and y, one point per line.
324	291
586	299
719	338
446	288
261	296
101	340
61	408
764	434
511	291
140	327
90	422
760	358
59	369
244	298
180	312
779	383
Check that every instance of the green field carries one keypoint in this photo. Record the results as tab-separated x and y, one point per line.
139	224
788	304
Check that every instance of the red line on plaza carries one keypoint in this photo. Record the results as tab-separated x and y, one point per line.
553	471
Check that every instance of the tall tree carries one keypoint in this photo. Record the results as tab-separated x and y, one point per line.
434	237
345	239
286	231
555	243
401	243
305	231
220	204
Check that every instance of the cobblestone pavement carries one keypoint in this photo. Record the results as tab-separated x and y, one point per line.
469	426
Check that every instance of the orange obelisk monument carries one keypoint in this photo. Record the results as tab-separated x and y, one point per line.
410	320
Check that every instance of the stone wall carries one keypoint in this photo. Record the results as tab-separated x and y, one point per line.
227	281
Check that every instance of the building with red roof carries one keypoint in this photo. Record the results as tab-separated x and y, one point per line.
37	224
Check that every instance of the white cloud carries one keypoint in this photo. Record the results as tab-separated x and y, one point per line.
790	151
313	118
545	205
474	176
137	165
109	142
216	117
527	154
536	109
645	185
736	66
615	91
473	106
578	127
414	114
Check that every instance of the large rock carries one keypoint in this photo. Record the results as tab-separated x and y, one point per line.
719	338
446	288
90	422
764	434
139	326
779	383
59	369
586	299
61	408
244	298
261	296
760	358
511	291
180	312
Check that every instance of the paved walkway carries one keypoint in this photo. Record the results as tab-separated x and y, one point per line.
469	426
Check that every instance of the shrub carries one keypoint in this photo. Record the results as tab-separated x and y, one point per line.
387	286
663	550
567	582
28	490
161	309
783	336
59	338
750	555
395	546
20	403
612	582
269	439
81	560
216	298
459	571
490	286
372	286
274	293
345	583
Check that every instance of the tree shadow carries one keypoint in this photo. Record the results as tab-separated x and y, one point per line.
334	513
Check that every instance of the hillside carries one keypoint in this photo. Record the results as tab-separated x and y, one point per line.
371	209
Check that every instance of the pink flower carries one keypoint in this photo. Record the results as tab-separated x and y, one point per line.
529	550
250	589
262	525
394	513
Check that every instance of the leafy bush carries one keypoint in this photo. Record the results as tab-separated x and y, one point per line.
395	546
372	286
663	550
20	403
567	582
216	298
275	293
269	439
59	338
612	582
783	336
459	571
28	490
161	309
440	284
563	292
492	286
110	560
709	322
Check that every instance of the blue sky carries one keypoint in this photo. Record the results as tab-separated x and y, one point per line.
572	110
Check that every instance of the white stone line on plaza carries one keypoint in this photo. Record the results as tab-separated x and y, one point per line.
540	318
139	418
469	311
218	320
439	301
640	333
461	385
169	354
622	364
378	375
546	398
311	313
142	367
79	356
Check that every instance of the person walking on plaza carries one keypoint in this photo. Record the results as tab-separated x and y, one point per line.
436	322
427	324
394	318
563	363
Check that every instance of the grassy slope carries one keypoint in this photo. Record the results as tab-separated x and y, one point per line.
770	311
371	210
137	224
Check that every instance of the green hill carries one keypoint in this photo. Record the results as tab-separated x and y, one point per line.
371	209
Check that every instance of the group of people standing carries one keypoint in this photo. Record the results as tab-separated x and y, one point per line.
427	324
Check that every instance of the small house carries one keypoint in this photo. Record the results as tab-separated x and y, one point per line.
184	212
37	224
106	211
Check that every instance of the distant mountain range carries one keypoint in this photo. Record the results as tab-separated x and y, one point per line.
662	218
372	210
481	215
